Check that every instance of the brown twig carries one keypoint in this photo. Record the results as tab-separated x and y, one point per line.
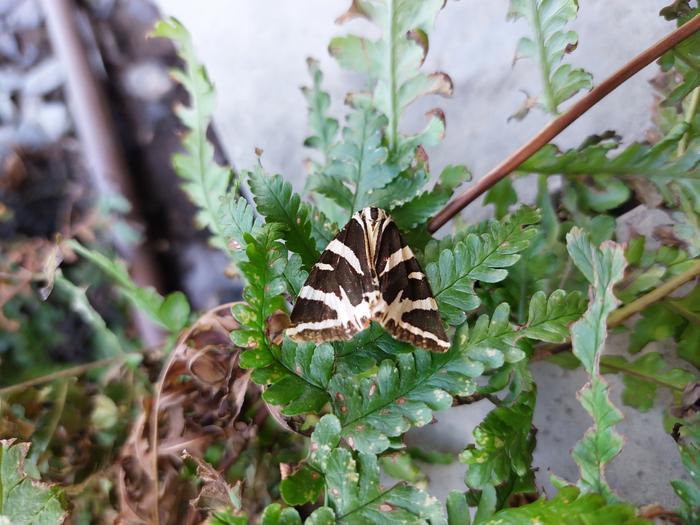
657	294
558	125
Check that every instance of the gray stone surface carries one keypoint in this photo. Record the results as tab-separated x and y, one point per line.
255	53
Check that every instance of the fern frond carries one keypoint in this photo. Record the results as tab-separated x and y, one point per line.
417	211
295	376
324	129
602	267
204	181
409	387
358	164
278	203
393	62
503	445
548	45
482	257
237	218
352	485
685	57
569	506
263	296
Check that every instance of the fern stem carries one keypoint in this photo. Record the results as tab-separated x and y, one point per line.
393	117
545	70
606	362
689	115
636	306
562	122
682	311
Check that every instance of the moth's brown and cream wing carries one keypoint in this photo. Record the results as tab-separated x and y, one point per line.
332	303
409	310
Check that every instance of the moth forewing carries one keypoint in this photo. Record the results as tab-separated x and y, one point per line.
366	273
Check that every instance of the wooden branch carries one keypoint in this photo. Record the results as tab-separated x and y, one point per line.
562	122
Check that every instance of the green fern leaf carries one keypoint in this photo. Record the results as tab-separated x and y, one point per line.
204	181
549	317
685	57
237	218
417	211
358	164
689	490
274	514
482	257
324	129
410	386
643	377
503	445
278	203
263	296
393	62
570	507
170	312
295	376
550	42
602	267
295	275
23	499
299	377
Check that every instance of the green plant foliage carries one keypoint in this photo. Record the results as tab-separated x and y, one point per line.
684	58
457	509
643	377
689	491
393	62
307	482
237	218
400	466
274	514
602	267
353	490
324	129
294	375
408	387
263	295
278	203
298	378
570	507
358	161
675	318
421	208
171	312
659	163
23	499
503	446
484	257
548	45
502	195
204	181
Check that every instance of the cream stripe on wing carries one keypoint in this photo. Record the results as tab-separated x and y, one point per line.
324	266
416	275
422	333
396	258
346	253
315	325
345	311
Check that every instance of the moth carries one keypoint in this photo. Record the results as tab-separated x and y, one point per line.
368	273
